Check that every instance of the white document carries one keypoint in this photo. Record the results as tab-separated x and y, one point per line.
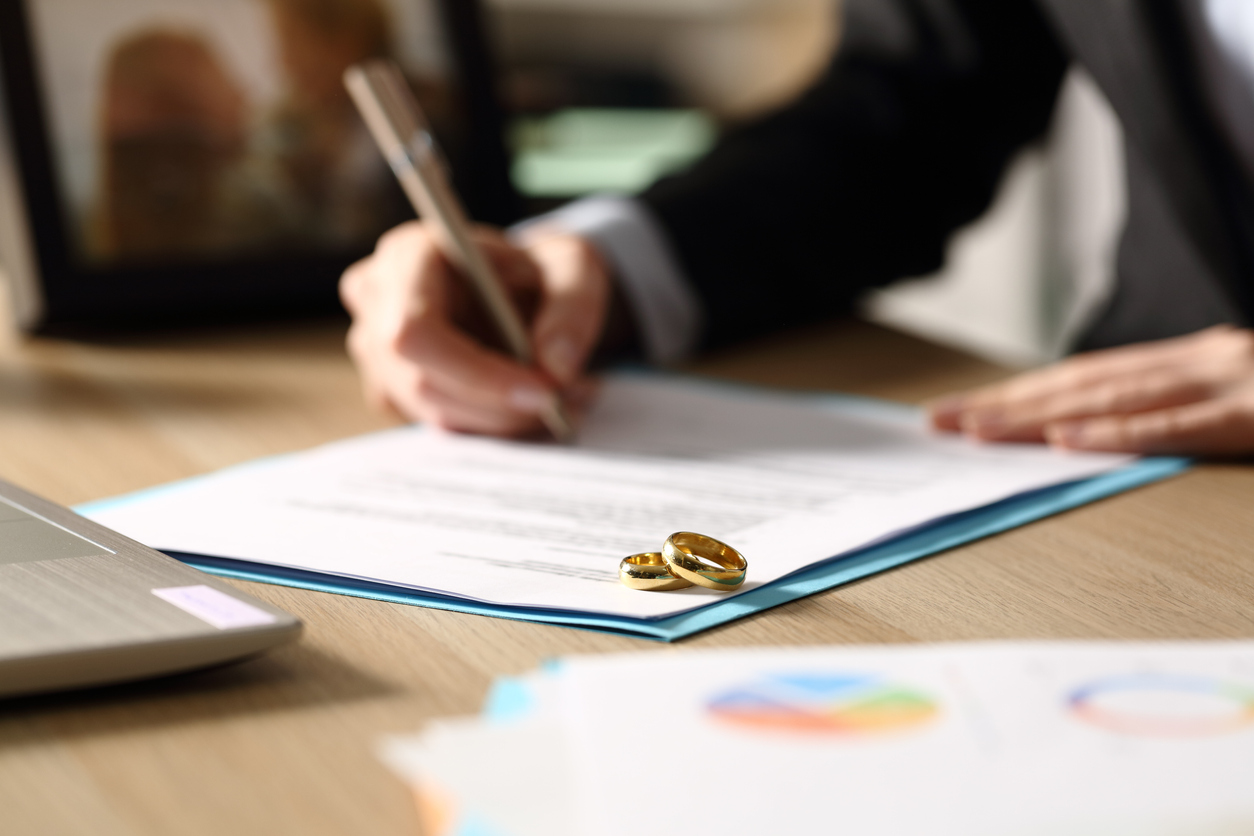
472	779
977	740
985	739
787	479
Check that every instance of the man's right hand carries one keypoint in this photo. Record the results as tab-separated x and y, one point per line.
421	340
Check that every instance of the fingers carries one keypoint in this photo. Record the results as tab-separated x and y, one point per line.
414	335
514	266
392	382
1123	380
1190	395
1221	426
351	284
575	295
470	372
1026	391
452	413
415	358
1025	419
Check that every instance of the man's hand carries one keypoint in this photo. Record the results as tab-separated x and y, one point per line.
1189	395
421	340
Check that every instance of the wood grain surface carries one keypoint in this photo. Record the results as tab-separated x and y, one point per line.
283	744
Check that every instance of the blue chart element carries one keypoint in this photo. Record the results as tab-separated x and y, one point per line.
510	699
840	704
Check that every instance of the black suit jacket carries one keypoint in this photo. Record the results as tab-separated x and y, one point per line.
905	137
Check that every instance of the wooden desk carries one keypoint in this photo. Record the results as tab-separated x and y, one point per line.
282	744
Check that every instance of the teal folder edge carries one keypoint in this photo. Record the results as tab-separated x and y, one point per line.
943	534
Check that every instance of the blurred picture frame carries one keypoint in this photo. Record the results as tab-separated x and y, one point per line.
173	161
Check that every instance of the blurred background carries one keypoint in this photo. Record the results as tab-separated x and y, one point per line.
258	148
188	128
1018	284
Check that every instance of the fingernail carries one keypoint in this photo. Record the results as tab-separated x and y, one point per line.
1069	435
561	358
987	424
527	398
946	409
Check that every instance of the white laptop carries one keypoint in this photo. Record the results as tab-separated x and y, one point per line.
82	605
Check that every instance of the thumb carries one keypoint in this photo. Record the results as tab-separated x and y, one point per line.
574	295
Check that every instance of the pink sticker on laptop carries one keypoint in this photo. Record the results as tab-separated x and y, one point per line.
216	608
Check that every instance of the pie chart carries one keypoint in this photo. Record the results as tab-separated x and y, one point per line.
830	704
1164	705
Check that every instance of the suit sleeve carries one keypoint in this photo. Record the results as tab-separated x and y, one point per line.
862	180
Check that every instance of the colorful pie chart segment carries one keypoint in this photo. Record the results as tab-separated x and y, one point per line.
1164	705
837	704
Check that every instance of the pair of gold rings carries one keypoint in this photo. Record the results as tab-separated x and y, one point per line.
686	559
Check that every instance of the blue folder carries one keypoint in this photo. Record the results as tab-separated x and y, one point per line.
937	536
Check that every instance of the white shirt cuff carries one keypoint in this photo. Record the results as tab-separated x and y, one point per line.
667	309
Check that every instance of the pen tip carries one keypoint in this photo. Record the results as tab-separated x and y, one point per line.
559	424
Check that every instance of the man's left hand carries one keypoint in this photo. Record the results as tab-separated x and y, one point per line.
1190	395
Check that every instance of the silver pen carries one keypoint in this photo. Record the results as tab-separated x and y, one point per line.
400	129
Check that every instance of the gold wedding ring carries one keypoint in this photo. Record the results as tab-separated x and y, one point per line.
648	571
687	553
